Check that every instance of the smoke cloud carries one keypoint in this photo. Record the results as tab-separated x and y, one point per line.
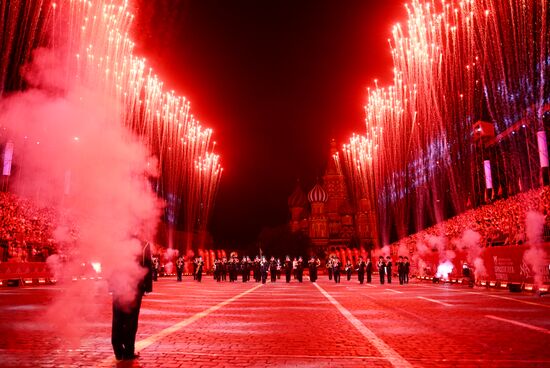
471	243
74	154
535	256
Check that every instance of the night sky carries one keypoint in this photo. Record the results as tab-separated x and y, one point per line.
275	80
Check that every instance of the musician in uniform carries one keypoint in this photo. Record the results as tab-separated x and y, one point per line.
200	265
336	269
128	291
156	267
288	268
368	269
406	269
382	269
328	265
264	267
179	267
256	269
361	268
300	269
389	268
349	268
312	265
223	269
273	269
401	270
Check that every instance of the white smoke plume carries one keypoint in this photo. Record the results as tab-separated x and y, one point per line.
535	256
471	244
75	154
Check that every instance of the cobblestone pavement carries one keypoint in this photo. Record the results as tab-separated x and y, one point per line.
282	325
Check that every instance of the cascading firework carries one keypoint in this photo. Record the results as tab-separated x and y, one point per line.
91	39
455	62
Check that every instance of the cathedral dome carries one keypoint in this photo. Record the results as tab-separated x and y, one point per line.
297	198
317	194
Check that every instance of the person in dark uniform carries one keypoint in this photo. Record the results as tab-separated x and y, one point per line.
288	268
406	269
336	269
195	268
300	269
256	269
388	268
401	270
264	267
223	270
273	269
328	265
200	265
348	270
245	269
217	269
156	268
368	269
312	265
179	267
126	306
361	268
382	269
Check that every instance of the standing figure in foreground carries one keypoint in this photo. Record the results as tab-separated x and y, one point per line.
128	291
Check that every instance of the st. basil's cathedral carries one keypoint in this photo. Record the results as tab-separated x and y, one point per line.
328	214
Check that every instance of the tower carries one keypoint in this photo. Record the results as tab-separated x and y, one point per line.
318	231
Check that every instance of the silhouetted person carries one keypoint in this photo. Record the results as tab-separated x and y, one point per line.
179	267
361	268
388	268
381	269
369	270
128	291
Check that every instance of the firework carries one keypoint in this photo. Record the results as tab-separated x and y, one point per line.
92	41
455	62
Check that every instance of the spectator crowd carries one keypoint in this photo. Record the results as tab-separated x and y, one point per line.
499	223
25	229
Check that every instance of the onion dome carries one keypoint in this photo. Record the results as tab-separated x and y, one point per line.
317	194
297	198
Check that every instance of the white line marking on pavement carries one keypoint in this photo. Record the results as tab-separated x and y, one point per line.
435	301
516	300
371	285
485	294
517	323
142	344
395	291
391	355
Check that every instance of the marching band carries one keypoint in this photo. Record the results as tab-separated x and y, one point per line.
262	267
